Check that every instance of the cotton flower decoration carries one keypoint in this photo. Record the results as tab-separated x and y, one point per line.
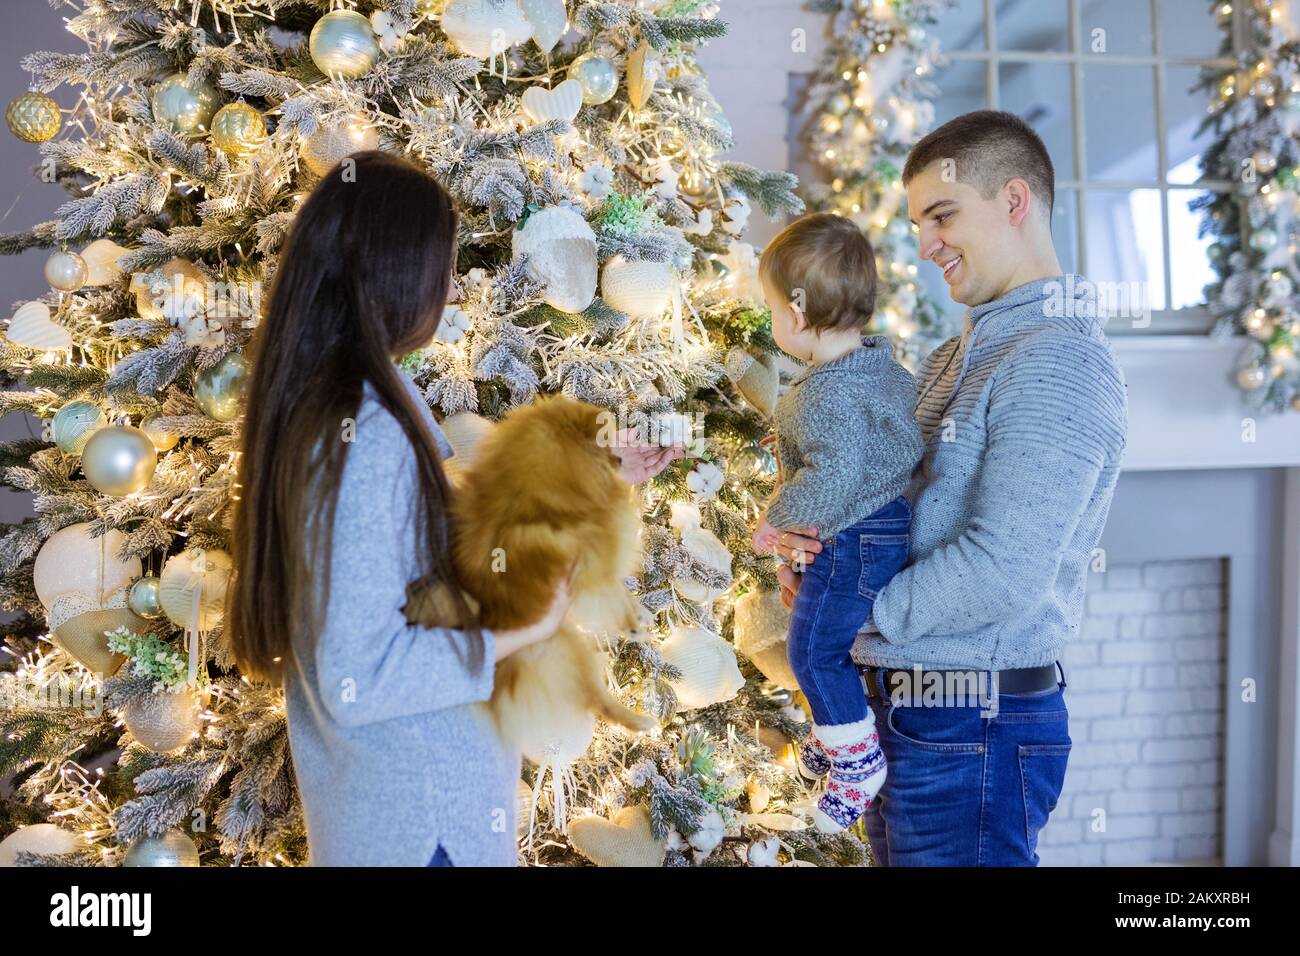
387	30
735	214
454	324
666	179
742	273
703	224
709	836
597	181
704	480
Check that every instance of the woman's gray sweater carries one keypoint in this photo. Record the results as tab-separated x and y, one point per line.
392	754
847	439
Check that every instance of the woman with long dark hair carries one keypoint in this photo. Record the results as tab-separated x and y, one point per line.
343	503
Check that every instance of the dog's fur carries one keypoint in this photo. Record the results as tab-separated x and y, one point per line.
540	496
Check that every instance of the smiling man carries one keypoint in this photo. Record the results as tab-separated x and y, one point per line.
1024	416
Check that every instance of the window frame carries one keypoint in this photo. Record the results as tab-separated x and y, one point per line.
1165	321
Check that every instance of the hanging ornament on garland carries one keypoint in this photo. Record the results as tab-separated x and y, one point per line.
144	598
597	76
331	143
561	247
66	271
548	20
33	328
238	130
34	117
173	848
219	390
644	70
182	106
342	45
119	460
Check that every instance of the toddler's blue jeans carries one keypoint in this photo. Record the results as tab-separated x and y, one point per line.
835	597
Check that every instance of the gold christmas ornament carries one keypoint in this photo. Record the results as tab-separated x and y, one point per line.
182	106
220	390
119	460
66	271
238	130
343	45
162	721
83	637
598	77
173	848
643	71
323	149
101	262
163	441
34	117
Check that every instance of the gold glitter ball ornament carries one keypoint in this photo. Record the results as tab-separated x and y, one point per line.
34	117
238	129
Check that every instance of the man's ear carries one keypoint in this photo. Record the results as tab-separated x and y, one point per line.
1019	200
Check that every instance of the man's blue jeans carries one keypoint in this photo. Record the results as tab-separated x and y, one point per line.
836	593
965	789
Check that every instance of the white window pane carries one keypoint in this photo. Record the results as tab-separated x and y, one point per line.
1119	26
960	28
1065	229
1124	241
1185	35
1189	258
1185	110
1042	25
963	87
1120	120
1039	93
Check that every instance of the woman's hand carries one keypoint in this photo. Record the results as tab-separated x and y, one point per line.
507	642
640	461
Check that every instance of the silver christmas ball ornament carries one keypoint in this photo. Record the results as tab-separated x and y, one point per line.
183	106
597	76
66	271
173	848
342	44
143	598
119	460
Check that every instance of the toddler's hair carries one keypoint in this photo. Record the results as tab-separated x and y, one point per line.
824	264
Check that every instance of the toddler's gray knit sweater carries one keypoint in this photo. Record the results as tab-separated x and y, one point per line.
847	440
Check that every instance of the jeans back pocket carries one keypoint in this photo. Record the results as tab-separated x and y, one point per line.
882	556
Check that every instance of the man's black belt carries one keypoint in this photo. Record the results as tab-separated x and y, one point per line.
1015	680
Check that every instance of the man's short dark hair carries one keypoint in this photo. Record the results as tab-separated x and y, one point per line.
989	148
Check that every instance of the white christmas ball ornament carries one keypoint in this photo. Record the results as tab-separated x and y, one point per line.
562	250
710	674
65	271
33	328
71	560
484	28
37	838
598	77
342	44
196	573
173	848
162	721
641	289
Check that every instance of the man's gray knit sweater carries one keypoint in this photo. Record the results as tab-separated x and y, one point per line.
846	438
1025	418
392	753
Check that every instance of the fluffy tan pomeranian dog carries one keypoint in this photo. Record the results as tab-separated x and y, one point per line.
539	495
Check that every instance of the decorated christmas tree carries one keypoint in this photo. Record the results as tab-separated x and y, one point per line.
599	256
1254	112
871	100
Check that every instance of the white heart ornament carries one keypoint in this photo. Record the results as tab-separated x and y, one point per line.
32	327
549	20
563	102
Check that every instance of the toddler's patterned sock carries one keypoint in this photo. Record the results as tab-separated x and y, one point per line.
813	762
856	775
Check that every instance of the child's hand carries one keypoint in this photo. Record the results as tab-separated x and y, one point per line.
765	538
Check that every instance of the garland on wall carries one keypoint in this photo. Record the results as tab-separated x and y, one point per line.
870	102
1255	114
